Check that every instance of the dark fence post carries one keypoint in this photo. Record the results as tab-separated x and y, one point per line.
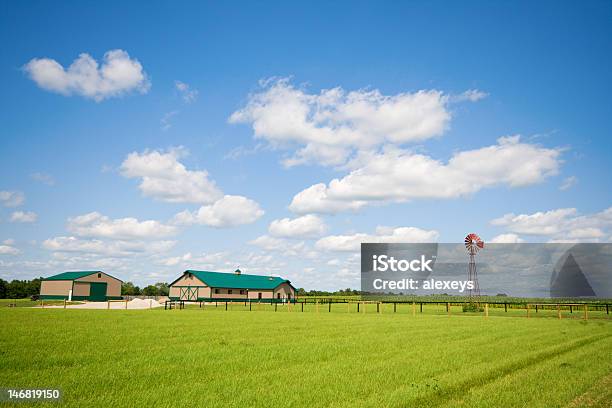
225	305
607	310
394	307
571	309
275	306
378	307
330	306
358	307
506	307
421	307
302	307
536	308
250	305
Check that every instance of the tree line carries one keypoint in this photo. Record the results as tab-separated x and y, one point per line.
19	289
341	292
159	289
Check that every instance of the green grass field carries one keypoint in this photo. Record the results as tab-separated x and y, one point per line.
211	357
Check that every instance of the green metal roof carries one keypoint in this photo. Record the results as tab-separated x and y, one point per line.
71	275
237	281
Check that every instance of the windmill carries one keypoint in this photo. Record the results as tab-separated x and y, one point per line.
473	244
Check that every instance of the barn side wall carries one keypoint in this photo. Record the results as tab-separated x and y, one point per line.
224	293
285	290
113	287
81	289
55	289
265	294
174	291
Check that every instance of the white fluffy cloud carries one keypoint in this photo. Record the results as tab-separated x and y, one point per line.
307	226
274	244
97	225
383	234
175	260
248	262
268	243
506	239
207	261
11	198
286	247
165	178
329	126
188	94
228	211
75	261
115	76
109	248
24	216
563	224
398	175
8	250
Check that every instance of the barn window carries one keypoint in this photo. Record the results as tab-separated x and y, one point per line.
242	292
217	291
99	275
259	295
229	292
278	295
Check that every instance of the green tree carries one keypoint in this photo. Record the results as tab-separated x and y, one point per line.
17	289
128	288
3	285
34	287
150	290
162	289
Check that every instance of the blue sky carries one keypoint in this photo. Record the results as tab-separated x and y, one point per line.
231	112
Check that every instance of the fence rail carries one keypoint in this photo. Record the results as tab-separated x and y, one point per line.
382	306
506	305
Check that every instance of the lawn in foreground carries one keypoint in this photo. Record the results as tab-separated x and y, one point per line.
217	358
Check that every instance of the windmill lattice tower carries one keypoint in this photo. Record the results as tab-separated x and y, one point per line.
473	244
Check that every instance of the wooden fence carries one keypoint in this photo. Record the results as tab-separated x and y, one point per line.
361	306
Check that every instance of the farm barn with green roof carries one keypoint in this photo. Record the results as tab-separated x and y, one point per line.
95	286
206	286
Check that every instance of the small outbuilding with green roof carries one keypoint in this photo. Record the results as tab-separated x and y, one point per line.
95	286
207	286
